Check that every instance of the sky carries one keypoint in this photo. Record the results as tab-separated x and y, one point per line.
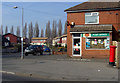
40	12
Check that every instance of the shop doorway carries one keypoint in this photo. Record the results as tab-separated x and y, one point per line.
76	46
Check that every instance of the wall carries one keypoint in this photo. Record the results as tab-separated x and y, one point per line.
13	39
105	17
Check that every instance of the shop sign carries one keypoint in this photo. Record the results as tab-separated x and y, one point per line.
86	35
99	34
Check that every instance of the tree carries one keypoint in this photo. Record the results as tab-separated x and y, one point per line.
18	31
25	30
54	29
65	28
49	30
12	30
48	33
59	28
1	30
42	33
6	30
30	31
36	30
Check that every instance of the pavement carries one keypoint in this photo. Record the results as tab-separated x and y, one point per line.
59	68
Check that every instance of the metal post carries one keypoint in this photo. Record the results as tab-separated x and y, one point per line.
22	56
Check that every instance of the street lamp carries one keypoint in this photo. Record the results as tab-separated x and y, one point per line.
22	56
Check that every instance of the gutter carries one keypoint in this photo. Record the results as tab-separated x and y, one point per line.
89	10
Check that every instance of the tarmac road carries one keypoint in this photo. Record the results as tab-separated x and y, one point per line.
60	67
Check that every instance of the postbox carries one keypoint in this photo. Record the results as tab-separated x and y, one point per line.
112	55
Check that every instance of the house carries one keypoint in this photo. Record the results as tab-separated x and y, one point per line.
25	40
12	38
39	41
57	41
92	26
5	42
62	40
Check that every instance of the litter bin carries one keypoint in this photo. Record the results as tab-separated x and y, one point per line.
112	55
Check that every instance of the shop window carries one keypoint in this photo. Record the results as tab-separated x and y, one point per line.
92	18
97	43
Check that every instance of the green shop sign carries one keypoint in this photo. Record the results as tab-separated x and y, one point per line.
99	34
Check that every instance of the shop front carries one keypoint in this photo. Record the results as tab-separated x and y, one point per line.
91	44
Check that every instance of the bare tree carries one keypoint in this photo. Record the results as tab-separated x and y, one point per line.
18	31
42	33
12	30
46	31
30	31
49	30
55	25
65	28
59	28
1	30
36	30
54	29
6	30
25	31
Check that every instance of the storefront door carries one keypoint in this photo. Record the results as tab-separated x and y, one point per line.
76	46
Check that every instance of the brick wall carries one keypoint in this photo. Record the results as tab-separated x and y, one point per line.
105	17
13	39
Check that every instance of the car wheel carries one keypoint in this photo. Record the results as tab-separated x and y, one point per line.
26	54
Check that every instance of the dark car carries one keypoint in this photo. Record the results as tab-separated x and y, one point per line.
34	49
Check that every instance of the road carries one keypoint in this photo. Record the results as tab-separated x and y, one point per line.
11	77
60	67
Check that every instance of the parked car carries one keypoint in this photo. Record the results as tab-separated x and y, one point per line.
46	49
34	49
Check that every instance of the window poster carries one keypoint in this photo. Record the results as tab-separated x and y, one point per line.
99	43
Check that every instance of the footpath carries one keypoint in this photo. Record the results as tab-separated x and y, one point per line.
59	67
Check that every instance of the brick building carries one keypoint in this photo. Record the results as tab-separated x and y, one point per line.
12	38
39	41
92	26
62	40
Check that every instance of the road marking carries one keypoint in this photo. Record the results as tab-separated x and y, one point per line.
7	72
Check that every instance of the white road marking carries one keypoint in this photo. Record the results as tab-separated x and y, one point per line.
7	72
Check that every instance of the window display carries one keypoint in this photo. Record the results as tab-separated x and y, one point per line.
97	43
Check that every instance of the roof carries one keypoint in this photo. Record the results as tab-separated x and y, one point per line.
11	34
89	28
4	39
40	38
94	5
64	35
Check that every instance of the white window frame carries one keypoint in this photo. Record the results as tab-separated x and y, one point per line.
91	15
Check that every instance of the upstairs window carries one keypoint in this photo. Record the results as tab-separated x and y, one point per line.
92	18
8	38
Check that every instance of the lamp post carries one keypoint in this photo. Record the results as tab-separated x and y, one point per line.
22	56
